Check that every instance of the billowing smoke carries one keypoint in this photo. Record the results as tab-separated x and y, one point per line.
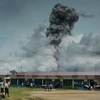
67	53
62	19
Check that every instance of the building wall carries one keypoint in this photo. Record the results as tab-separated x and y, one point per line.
60	81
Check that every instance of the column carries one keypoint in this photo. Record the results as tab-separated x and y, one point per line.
25	79
85	82
53	82
72	83
42	82
17	81
33	82
61	82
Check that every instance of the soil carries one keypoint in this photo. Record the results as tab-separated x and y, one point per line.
67	95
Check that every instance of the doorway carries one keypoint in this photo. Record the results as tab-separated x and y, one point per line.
91	82
57	83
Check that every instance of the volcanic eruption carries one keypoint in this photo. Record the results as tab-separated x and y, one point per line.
62	19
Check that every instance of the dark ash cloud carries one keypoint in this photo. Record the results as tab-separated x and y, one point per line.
62	19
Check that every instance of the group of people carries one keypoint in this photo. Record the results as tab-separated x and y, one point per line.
4	88
28	84
48	87
87	87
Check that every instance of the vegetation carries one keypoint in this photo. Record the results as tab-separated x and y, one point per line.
18	93
21	93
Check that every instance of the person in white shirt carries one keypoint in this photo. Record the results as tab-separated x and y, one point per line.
6	89
31	85
2	87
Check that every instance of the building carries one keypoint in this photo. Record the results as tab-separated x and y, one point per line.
58	79
2	76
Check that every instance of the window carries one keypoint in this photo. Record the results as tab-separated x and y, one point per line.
38	81
13	81
67	82
20	81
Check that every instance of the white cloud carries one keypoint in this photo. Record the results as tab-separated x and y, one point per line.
83	55
77	53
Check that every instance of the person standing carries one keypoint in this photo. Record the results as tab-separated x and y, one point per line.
51	86
31	85
45	87
2	87
6	89
22	85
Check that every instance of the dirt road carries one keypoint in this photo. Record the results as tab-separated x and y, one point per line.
67	95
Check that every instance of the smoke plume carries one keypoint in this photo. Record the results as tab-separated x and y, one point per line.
62	19
60	51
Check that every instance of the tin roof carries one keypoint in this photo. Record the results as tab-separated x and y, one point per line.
56	73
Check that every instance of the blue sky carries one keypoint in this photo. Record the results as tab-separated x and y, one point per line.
18	19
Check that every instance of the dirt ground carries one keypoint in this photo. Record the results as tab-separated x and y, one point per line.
67	95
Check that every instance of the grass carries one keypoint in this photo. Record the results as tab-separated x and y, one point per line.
18	93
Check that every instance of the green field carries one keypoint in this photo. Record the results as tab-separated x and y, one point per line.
18	93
